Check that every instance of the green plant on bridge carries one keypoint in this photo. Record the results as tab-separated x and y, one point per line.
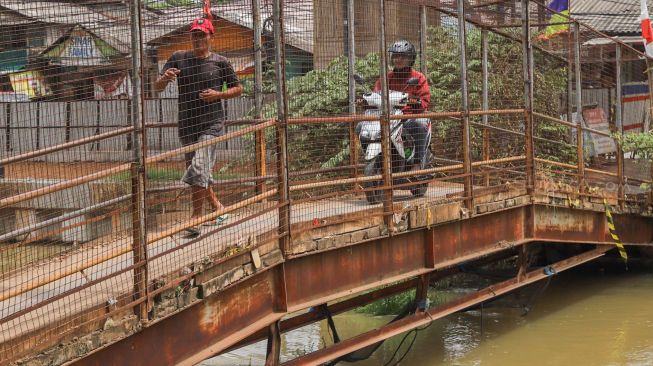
640	144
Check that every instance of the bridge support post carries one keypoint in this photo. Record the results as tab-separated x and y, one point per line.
485	99
274	345
423	30
467	155
619	124
139	235
351	71
385	124
422	292
258	95
281	128
579	110
522	261
528	96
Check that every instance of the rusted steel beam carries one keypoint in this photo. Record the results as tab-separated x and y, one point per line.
357	268
569	224
199	331
346	305
424	318
368	297
304	319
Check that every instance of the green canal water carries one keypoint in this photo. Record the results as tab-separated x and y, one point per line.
586	316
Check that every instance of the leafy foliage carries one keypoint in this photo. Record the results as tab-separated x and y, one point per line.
324	92
640	143
321	92
505	87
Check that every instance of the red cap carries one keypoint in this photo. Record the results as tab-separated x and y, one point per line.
204	25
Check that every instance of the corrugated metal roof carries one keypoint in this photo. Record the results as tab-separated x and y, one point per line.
298	17
111	23
54	12
613	17
8	17
116	33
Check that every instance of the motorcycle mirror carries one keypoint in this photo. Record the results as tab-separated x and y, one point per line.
413	81
359	79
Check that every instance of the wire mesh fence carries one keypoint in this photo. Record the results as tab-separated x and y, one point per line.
129	158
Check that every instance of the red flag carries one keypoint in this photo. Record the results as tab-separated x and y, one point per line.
207	10
647	32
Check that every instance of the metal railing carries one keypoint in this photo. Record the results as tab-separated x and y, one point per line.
293	172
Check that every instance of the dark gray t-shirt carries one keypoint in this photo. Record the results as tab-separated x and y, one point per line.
195	116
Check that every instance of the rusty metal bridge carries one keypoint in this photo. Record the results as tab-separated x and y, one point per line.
95	271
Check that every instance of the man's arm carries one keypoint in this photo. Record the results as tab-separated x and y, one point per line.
230	80
233	92
212	95
163	80
170	72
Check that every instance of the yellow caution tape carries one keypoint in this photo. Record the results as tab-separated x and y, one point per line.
613	232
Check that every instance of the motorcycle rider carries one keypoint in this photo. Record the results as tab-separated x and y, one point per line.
402	58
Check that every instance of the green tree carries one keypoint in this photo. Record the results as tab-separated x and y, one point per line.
324	92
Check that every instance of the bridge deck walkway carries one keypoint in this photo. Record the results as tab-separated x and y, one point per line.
168	264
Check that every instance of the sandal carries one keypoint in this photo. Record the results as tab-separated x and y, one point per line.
192	232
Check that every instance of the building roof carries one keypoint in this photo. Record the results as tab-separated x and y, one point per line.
298	17
110	22
613	17
54	12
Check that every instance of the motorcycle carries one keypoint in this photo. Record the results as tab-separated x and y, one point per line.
402	144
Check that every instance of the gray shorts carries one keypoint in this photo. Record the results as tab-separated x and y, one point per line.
199	164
